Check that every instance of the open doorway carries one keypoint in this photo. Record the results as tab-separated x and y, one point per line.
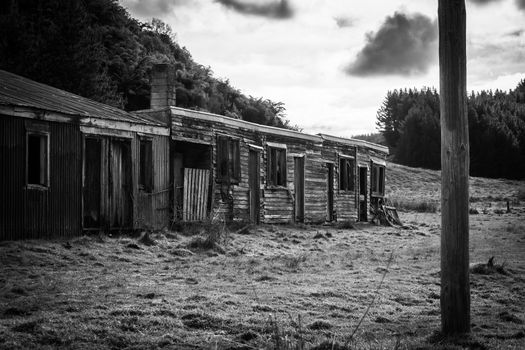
299	188
363	198
191	164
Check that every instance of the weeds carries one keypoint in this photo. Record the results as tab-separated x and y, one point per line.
293	262
521	194
208	236
346	225
420	205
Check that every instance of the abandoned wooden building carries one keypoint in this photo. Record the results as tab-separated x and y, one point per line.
72	165
244	171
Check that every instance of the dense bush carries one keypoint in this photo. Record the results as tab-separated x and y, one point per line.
409	122
95	49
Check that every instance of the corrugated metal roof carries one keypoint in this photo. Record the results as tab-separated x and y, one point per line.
22	92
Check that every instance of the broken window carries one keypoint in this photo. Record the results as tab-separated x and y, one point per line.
228	160
37	159
146	165
378	180
276	166
346	174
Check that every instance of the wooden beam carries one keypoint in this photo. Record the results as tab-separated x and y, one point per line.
455	291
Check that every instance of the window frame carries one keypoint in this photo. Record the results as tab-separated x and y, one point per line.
377	183
276	157
44	174
347	177
228	160
146	170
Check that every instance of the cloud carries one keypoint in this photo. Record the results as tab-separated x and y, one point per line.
153	8
278	9
483	2
516	33
344	22
520	4
403	45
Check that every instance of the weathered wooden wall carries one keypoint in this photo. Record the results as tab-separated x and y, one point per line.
344	201
232	201
276	202
40	213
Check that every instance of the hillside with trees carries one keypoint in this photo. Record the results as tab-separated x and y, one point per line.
95	49
409	122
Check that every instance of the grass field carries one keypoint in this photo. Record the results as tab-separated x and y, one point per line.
272	286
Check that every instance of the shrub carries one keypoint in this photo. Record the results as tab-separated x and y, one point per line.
521	194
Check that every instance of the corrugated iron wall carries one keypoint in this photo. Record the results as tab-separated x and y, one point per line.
152	210
37	213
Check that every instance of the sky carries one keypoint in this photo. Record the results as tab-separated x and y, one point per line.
332	62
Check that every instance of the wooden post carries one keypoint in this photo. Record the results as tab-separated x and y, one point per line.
455	291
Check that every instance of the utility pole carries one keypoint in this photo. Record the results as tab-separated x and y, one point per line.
455	290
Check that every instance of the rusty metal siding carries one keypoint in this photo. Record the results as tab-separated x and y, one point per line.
33	213
161	181
152	210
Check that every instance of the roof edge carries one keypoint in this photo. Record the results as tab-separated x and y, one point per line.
355	142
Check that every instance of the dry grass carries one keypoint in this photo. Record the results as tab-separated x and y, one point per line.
272	287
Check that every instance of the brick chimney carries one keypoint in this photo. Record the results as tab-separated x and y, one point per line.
162	86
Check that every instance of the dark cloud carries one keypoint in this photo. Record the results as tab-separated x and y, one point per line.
153	8
520	4
517	32
278	9
403	45
483	2
343	22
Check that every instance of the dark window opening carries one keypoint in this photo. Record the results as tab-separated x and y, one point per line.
346	174
146	165
37	159
228	160
276	166
378	180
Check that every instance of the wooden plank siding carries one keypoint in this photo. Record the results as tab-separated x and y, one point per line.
40	213
277	203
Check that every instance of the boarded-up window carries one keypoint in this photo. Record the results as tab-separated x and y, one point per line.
378	180
228	160
276	166
146	165
37	159
346	174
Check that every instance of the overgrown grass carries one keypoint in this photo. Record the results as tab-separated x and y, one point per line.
521	194
420	205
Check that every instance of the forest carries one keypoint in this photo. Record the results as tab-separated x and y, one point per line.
95	49
408	119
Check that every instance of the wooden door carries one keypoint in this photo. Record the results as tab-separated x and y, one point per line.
363	200
299	188
120	185
195	202
91	189
255	186
330	194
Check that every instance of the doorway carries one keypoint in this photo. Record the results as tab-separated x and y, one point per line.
255	186
91	190
120	184
363	200
330	194
299	188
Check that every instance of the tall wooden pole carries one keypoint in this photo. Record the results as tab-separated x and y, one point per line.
455	291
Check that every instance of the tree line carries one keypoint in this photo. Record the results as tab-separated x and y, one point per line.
95	49
409	120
